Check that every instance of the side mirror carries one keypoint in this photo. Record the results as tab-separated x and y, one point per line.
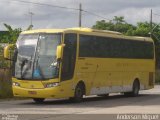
59	51
7	51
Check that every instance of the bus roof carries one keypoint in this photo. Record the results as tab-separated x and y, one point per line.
89	31
69	29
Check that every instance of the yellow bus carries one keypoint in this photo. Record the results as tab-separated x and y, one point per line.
76	62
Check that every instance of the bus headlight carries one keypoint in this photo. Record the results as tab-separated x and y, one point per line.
49	85
15	84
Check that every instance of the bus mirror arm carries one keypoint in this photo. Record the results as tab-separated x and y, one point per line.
59	60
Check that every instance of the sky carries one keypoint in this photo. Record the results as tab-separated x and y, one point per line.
17	15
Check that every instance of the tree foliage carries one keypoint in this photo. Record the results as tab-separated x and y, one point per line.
117	24
120	25
11	35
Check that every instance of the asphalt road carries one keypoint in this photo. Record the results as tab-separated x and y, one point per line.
147	103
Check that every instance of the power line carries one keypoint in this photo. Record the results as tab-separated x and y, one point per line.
77	9
92	13
44	4
63	7
156	14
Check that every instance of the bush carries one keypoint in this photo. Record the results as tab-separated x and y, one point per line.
5	84
5	77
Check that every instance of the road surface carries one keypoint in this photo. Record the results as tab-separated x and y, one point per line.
147	103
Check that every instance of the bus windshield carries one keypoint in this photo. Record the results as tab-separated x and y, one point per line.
36	56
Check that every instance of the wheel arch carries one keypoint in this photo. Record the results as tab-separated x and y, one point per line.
137	80
81	82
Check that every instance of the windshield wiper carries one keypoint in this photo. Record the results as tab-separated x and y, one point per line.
24	61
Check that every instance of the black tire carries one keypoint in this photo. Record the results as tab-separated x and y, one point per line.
78	94
103	95
135	89
38	100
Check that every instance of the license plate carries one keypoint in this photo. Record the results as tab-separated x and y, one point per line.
32	92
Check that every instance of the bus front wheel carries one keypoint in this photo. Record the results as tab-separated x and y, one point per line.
38	100
78	94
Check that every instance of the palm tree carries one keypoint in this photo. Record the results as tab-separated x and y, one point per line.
118	20
13	33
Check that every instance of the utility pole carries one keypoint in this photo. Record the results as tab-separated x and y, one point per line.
31	17
80	15
151	22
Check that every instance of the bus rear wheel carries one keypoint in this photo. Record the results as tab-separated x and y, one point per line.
38	100
135	89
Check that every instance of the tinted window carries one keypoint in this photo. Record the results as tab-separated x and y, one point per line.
105	47
69	56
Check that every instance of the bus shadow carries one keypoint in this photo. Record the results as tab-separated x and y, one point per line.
111	101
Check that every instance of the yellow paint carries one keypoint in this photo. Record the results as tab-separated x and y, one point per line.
95	72
7	51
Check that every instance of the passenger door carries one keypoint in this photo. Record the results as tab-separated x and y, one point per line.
68	64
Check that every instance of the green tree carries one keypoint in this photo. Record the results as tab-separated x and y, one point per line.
30	27
117	24
12	34
143	29
103	25
120	25
118	20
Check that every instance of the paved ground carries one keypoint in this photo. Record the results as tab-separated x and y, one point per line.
147	103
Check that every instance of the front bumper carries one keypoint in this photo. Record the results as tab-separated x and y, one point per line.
36	93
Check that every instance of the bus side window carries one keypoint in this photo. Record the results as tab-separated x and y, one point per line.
69	56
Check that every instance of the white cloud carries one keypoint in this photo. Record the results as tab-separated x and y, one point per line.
15	13
133	15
